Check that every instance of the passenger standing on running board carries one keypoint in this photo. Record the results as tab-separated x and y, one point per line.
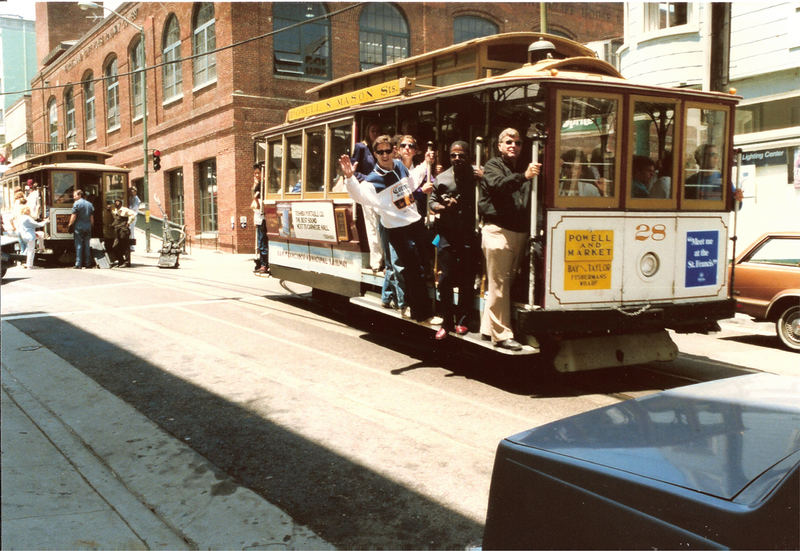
504	204
391	195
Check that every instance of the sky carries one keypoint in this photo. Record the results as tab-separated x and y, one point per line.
27	9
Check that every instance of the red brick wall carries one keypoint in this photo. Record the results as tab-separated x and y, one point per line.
66	21
217	121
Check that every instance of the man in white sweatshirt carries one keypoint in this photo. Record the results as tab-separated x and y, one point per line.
391	194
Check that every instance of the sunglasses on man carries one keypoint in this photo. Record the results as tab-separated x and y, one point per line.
383	151
515	142
408	145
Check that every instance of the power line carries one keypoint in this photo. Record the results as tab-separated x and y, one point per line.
187	58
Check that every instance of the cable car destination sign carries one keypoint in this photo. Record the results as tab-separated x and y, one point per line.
356	97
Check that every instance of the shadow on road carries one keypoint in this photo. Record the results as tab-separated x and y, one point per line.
346	503
531	376
765	341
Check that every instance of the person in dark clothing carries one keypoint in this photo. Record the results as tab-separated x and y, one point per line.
453	200
504	204
123	217
80	223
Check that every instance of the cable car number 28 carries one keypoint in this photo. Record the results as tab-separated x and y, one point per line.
656	232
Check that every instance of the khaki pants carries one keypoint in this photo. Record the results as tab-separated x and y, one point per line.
503	250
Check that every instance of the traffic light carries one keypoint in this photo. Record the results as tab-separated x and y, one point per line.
156	160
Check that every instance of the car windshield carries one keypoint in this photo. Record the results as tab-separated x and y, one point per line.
776	250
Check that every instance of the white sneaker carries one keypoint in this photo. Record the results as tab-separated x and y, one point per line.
406	312
435	320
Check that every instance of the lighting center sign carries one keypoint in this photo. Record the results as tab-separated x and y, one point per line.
588	255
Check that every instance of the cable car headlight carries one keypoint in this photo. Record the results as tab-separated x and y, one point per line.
649	264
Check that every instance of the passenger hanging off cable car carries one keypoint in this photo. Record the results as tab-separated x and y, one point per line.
505	207
391	195
453	200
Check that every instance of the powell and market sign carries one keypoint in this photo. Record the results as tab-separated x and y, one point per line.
765	157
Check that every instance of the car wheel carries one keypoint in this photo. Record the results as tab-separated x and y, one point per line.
788	326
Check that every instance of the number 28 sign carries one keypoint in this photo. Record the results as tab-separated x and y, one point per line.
656	232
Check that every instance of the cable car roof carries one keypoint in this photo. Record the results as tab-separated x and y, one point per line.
564	47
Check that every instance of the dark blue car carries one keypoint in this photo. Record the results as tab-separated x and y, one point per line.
714	465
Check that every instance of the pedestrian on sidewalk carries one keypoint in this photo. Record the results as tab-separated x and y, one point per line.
27	233
261	233
80	224
133	204
260	222
123	218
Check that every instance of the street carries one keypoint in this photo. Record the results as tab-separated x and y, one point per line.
357	426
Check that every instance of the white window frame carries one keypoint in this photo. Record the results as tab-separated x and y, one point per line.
52	121
137	81
651	12
69	114
172	72
203	65
112	96
90	112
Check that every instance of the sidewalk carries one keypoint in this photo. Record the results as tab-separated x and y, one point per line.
81	469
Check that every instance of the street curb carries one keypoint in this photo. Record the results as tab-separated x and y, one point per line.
150	530
182	489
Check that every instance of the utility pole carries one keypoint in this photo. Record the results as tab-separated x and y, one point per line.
719	61
543	17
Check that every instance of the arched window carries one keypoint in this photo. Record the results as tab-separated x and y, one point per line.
112	94
467	27
69	115
383	35
89	111
52	121
173	81
204	40
137	79
303	51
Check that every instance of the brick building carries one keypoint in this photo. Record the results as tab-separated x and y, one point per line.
203	110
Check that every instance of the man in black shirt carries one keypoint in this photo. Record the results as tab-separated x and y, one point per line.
505	207
453	199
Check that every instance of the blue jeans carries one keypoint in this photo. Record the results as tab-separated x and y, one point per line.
393	283
83	253
408	242
263	245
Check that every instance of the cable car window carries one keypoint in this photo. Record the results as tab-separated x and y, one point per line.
294	164
703	146
653	148
63	186
587	146
274	156
341	138
315	160
114	187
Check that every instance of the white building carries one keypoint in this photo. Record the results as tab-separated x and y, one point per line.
669	43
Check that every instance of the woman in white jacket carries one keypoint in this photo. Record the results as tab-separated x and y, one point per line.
27	227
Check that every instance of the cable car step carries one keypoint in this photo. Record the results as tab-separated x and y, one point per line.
373	302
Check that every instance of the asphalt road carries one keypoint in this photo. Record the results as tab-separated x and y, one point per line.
359	427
